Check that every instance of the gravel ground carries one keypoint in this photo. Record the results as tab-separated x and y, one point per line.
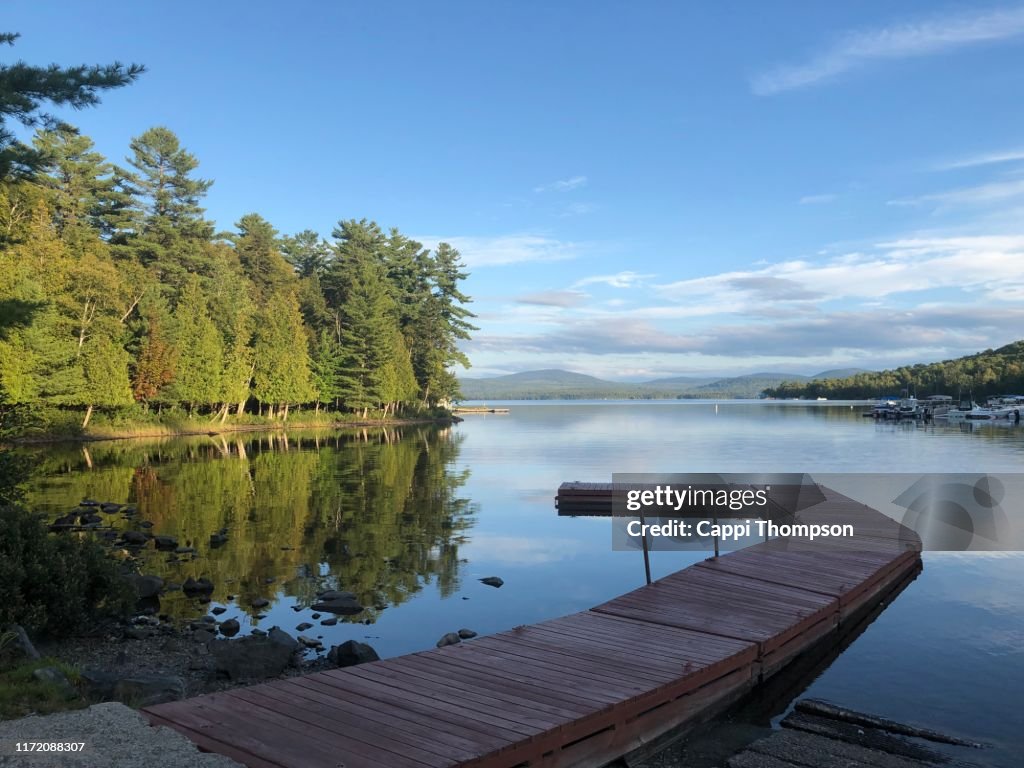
115	736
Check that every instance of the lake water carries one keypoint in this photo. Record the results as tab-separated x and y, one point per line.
409	519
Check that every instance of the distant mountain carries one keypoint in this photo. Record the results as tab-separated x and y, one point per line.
547	384
677	383
552	384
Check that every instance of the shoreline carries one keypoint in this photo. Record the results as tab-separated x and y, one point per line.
220	429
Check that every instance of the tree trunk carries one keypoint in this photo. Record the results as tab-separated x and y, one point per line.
317	411
241	408
224	413
284	416
88	415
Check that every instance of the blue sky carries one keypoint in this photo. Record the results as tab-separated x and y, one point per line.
639	189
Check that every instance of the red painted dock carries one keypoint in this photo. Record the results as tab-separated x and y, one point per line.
575	691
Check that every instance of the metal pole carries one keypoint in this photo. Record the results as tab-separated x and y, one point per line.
647	555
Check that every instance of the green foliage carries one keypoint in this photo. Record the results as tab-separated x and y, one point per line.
115	292
24	89
22	694
992	372
54	584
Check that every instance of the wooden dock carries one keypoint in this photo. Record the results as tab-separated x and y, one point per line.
576	691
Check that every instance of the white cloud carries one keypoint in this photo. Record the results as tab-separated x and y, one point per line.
901	41
625	279
817	199
506	249
562	185
990	158
976	195
563	299
991	265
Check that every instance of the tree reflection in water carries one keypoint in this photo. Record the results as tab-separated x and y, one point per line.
376	512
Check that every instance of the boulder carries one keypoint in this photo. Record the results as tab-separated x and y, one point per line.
329	622
350	653
344	603
303	626
279	636
147	690
165	542
449	639
466	634
218	610
20	646
260	602
134	538
57	679
197	586
251	658
230	627
492	581
146	586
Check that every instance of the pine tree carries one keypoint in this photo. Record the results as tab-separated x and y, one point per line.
307	252
24	89
162	226
80	182
257	248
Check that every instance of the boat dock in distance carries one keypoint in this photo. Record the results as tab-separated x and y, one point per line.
577	691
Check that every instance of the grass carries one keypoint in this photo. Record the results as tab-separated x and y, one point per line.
22	694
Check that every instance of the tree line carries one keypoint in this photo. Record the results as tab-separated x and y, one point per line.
992	372
116	291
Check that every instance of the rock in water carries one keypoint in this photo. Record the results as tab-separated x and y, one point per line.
134	538
197	586
352	652
260	602
229	628
492	581
165	542
251	658
281	637
450	639
466	634
303	626
344	603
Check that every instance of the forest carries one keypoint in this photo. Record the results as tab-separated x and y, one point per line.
118	296
118	293
992	372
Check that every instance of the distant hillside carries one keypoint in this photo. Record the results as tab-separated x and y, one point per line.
992	372
551	384
555	384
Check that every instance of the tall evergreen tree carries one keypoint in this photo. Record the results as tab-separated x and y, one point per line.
80	182
307	252
162	224
257	247
199	352
25	88
281	376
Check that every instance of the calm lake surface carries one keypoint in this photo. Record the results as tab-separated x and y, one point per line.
409	519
